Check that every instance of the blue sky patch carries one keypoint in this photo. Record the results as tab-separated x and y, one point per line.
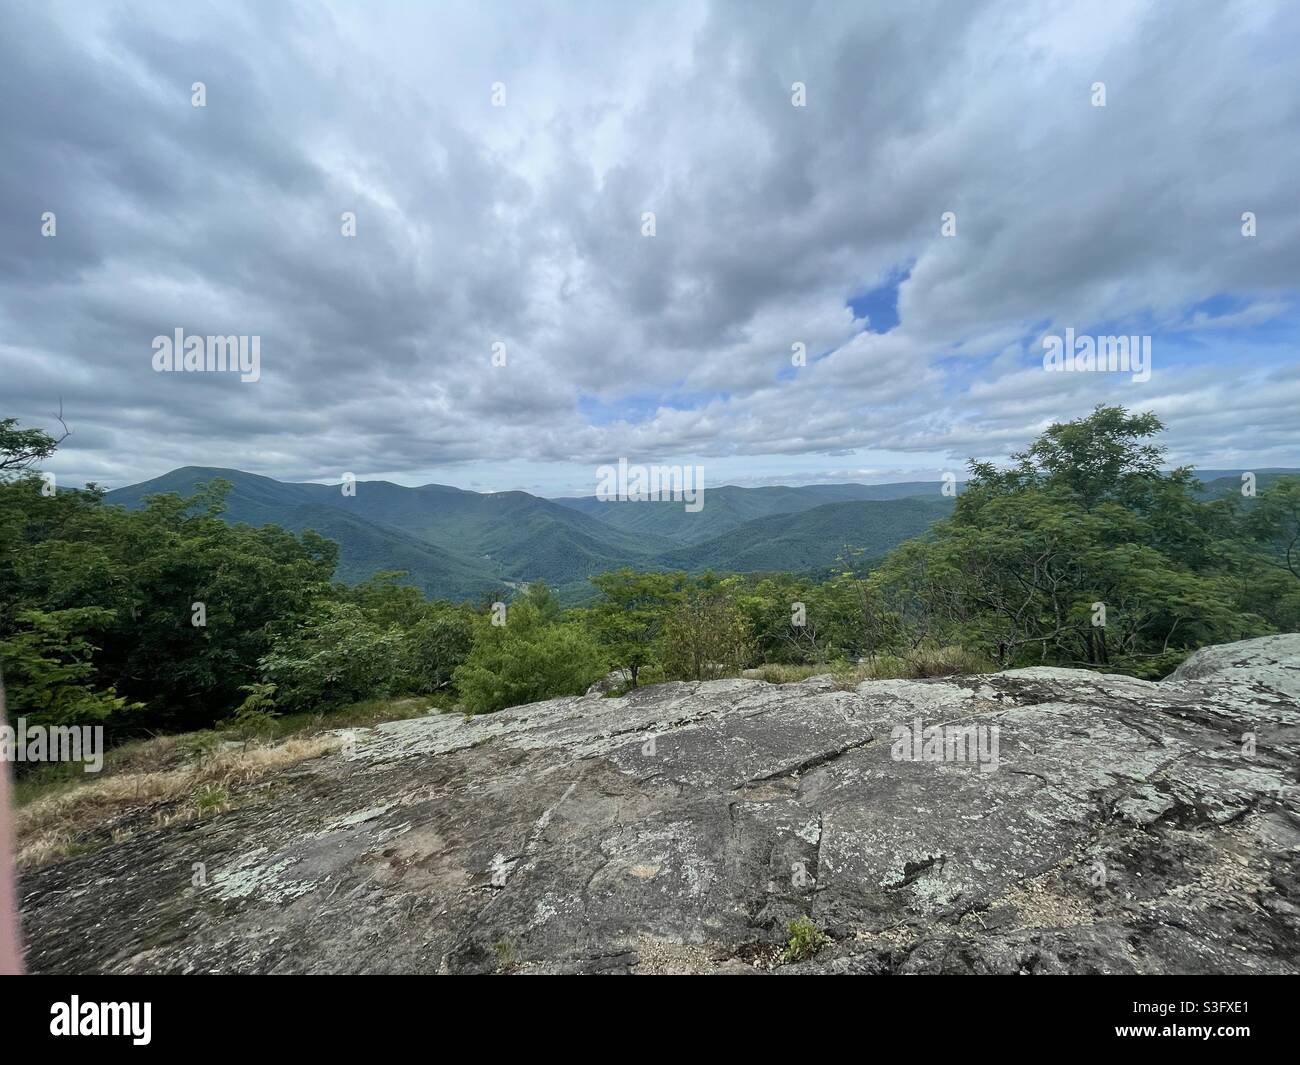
879	306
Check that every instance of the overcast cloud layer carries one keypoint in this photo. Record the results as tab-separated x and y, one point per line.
522	224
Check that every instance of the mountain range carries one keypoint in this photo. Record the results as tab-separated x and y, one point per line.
457	544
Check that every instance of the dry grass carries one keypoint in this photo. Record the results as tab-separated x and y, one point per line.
925	661
179	750
361	715
56	825
782	673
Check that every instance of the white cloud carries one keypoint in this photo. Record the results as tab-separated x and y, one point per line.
521	224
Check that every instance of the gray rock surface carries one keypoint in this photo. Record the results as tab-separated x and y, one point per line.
1128	827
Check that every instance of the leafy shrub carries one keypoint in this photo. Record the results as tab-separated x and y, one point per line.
704	638
526	660
1086	518
338	656
435	646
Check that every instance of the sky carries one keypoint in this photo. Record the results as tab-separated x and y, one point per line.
915	195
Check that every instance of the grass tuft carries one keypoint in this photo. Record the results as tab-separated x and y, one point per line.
806	939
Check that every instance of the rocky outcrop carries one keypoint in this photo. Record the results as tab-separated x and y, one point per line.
1061	821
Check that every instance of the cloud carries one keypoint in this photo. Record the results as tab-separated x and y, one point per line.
521	225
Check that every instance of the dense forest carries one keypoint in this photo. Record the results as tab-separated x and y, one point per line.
1083	552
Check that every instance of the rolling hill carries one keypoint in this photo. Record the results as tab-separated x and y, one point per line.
1218	483
812	539
729	506
366	546
459	544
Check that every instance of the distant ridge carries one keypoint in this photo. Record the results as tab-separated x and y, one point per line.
728	506
464	545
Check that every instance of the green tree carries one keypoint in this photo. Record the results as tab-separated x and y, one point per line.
177	604
539	594
254	585
1084	552
48	664
629	617
1275	522
21	448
